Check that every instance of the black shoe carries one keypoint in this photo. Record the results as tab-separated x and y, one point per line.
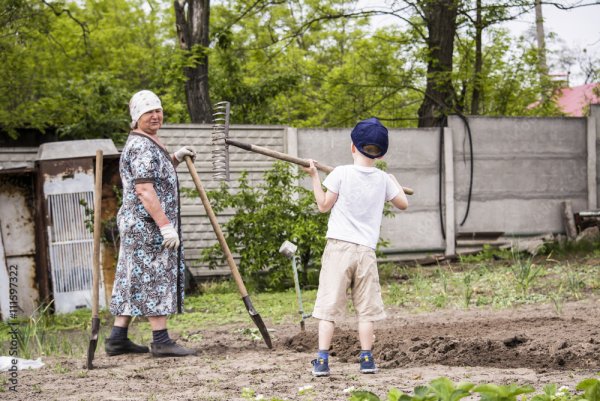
170	349
118	347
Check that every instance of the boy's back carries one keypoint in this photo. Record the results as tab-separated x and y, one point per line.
357	213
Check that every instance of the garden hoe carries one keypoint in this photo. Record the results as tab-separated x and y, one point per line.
230	261
288	249
96	261
220	153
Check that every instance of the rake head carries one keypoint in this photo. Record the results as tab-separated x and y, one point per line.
220	133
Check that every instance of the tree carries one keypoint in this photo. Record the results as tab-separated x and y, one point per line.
440	18
192	21
76	70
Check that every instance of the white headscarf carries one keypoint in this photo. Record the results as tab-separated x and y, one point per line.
142	102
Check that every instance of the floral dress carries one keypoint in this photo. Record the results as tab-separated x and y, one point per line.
149	278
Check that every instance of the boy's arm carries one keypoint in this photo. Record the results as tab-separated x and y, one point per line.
400	200
325	200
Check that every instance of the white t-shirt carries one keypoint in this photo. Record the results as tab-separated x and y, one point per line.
357	213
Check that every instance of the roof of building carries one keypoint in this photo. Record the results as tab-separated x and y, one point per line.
73	149
574	101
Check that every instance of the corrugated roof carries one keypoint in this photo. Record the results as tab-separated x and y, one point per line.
17	158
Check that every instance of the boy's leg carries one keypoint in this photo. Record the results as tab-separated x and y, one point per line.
321	362
365	335
325	334
366	296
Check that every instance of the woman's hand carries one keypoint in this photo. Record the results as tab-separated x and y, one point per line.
170	237
183	152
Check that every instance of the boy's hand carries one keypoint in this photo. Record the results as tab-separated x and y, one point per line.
311	170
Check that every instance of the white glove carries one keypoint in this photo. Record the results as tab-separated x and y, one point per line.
170	237
185	151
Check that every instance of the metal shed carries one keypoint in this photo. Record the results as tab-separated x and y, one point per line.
43	246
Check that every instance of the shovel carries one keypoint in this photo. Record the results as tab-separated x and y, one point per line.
96	261
232	266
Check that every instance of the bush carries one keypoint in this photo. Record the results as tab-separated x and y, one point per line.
266	215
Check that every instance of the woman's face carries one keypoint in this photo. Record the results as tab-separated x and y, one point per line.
151	121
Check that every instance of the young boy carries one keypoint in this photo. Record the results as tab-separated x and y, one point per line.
355	195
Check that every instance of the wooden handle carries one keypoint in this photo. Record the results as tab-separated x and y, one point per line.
216	227
278	155
97	234
288	158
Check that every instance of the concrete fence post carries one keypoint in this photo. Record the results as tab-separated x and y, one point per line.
592	182
449	192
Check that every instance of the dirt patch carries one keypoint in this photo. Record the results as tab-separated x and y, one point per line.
533	338
524	345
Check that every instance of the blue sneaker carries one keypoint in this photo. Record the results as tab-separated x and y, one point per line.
367	364
320	367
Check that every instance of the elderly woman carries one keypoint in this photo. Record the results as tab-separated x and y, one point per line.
149	278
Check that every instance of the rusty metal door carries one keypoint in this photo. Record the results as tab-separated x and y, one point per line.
17	245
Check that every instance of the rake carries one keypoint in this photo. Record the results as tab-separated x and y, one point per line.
221	142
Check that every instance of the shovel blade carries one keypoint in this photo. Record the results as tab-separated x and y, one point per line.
258	321
93	342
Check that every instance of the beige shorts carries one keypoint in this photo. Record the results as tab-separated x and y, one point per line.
348	266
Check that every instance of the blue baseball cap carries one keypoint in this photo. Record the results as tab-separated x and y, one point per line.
370	132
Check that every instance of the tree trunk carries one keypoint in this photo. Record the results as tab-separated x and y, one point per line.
477	88
541	40
440	17
192	23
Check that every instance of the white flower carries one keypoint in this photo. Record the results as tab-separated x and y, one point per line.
259	397
348	390
563	389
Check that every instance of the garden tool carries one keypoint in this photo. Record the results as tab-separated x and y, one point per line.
230	261
288	249
96	261
221	142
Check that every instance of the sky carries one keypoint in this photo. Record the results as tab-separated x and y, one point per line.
576	29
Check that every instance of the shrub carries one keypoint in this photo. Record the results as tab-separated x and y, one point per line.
273	211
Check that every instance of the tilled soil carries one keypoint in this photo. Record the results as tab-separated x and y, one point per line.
526	345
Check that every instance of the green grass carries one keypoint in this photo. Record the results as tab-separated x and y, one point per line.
490	279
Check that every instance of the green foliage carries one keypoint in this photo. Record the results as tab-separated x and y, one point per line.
266	215
591	389
525	271
361	395
488	253
493	392
75	65
446	390
72	66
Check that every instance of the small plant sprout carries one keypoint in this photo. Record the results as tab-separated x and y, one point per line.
558	299
524	271
468	290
